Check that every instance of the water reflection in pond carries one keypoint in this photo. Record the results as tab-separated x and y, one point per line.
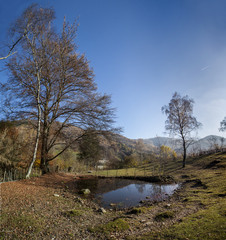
125	193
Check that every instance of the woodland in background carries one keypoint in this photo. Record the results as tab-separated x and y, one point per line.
17	140
16	147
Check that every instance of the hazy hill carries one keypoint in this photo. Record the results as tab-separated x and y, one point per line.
159	141
210	142
203	144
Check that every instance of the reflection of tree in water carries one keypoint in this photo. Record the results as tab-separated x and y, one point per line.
157	188
140	187
169	188
156	193
87	183
103	185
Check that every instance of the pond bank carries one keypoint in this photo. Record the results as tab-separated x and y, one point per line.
152	179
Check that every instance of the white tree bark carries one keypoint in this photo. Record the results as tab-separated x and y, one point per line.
38	130
38	69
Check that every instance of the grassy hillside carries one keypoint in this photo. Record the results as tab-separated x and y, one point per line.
204	187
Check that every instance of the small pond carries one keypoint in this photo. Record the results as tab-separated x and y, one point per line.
124	193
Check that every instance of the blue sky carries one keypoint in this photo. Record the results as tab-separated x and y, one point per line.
142	51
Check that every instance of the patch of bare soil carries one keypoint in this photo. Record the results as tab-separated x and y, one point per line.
49	207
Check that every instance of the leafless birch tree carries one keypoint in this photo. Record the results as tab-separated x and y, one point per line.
180	120
53	85
223	125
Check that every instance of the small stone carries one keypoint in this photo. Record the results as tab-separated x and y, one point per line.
56	195
142	221
112	204
102	210
148	223
167	205
85	191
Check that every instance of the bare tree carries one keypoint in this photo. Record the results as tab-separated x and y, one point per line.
180	120
90	148
23	31
222	140
213	143
223	125
140	148
222	128
11	49
35	23
54	86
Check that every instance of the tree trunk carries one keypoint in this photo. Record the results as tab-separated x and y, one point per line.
35	150
45	135
44	160
38	130
184	154
44	167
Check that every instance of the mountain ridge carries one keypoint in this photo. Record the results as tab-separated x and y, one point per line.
201	144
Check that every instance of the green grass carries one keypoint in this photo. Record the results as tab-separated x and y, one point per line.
74	213
117	225
154	169
164	215
204	225
139	210
147	170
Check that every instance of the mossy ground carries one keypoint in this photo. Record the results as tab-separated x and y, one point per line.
74	213
140	210
204	225
164	215
116	225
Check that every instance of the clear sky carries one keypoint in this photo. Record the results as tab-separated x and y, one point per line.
142	51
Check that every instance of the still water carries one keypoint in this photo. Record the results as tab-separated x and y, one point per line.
124	193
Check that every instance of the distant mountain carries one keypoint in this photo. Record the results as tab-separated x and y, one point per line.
203	144
211	142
